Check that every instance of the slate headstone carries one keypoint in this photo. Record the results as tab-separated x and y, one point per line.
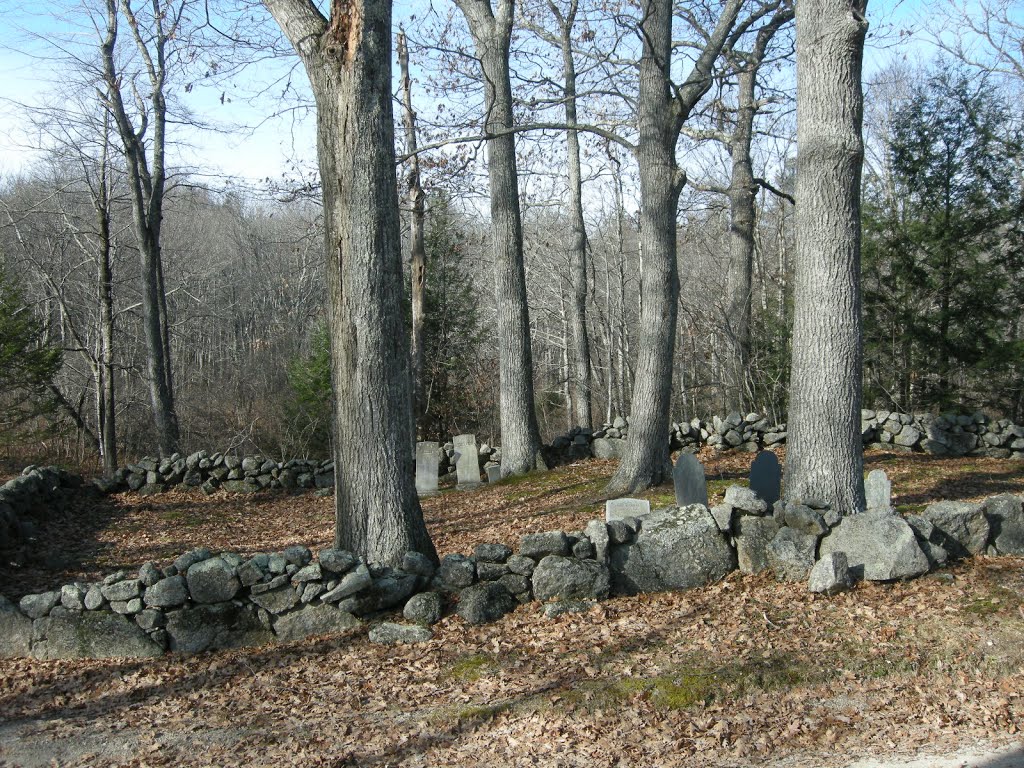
493	473
466	463
426	468
766	477
689	481
878	490
618	509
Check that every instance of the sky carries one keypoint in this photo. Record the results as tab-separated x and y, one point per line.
266	147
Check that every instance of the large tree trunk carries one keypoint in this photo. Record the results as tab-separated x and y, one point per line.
661	111
417	247
520	436
348	60
824	456
106	391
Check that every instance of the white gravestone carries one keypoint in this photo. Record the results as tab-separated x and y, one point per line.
467	465
617	509
426	468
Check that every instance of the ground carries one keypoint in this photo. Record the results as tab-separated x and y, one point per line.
745	672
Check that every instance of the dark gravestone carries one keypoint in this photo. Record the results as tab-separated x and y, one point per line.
766	477
689	481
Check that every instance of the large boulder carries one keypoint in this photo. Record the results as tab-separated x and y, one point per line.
963	523
878	547
791	554
568	578
485	602
831	575
222	625
753	535
1005	514
211	581
15	630
323	619
608	448
90	635
677	548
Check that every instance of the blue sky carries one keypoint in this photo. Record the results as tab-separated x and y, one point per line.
266	151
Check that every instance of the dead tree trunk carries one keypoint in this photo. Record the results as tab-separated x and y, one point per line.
348	60
824	457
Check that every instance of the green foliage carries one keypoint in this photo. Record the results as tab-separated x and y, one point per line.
28	362
941	234
456	382
312	410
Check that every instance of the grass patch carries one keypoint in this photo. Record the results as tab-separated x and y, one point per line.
472	667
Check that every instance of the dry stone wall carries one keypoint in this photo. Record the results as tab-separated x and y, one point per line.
39	492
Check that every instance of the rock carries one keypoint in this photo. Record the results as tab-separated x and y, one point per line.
418	564
540	545
929	539
456	572
584	550
122	590
491	571
622	531
485	602
94	599
597	532
492	553
389	633
831	575
387	590
190	558
309	572
1006	521
91	635
72	597
266	586
250	573
523	566
677	548
723	514
877	547
556	609
211	581
804	519
517	585
126	607
568	578
37	606
426	608
277	600
608	448
298	555
753	535
337	560
149	574
150	619
352	582
311	620
963	523
221	625
15	631
745	500
791	554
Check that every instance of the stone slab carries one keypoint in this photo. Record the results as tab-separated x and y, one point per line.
467	465
690	483
766	477
426	468
619	509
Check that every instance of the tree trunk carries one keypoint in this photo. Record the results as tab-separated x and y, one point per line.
580	358
661	111
106	395
824	457
520	436
417	248
348	60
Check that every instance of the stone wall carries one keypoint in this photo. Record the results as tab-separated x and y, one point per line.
945	435
37	493
204	601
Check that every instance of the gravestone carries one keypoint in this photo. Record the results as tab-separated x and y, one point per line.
493	473
878	490
617	509
426	468
689	481
467	465
766	477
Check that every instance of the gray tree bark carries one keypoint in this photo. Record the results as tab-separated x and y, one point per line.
662	109
147	180
348	60
417	247
491	30
824	455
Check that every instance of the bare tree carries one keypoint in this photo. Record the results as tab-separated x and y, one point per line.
662	109
348	60
824	457
143	137
491	29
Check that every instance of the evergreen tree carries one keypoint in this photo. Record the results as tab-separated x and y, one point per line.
938	242
28	362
